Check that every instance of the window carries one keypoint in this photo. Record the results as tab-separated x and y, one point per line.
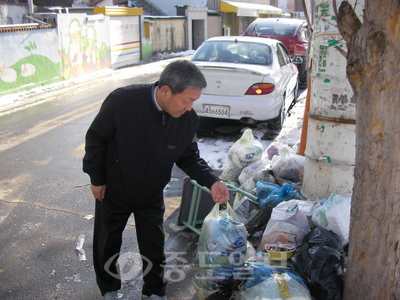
275	28
283	55
305	33
234	52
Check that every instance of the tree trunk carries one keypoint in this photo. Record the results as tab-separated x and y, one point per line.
373	269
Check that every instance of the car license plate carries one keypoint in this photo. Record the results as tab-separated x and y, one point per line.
216	111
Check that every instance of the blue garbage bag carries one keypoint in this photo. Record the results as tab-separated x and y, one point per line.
269	195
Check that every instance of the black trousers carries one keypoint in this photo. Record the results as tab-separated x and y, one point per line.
109	224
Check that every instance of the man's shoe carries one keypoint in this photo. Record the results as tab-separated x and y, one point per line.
111	295
153	297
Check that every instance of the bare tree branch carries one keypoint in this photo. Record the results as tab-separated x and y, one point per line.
306	13
334	6
341	51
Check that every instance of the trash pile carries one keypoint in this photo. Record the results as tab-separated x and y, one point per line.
271	243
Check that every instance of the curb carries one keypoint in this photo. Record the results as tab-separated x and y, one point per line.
21	100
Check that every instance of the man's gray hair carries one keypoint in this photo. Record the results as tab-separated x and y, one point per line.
180	75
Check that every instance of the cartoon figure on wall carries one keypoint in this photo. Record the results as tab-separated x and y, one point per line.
7	74
10	75
32	58
82	54
30	65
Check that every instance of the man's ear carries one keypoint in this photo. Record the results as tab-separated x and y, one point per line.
165	91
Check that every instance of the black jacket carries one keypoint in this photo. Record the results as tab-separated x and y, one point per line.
131	149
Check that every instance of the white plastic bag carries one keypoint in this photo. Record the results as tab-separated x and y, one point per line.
334	215
257	171
288	167
251	170
221	252
307	207
242	153
287	225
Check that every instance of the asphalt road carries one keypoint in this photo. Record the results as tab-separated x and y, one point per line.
46	203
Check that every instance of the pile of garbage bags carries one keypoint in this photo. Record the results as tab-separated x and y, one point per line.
269	212
271	176
226	260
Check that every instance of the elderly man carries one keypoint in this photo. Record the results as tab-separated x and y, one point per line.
131	147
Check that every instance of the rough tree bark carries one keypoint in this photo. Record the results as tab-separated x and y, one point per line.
373	269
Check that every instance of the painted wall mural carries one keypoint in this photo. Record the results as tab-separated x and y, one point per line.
79	45
82	49
29	59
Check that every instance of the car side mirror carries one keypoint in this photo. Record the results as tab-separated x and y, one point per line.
297	60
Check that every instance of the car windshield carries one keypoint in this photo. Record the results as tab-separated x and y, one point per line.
234	51
274	28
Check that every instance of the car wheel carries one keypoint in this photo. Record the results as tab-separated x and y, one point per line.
303	80
277	123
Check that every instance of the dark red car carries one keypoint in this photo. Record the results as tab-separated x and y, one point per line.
293	33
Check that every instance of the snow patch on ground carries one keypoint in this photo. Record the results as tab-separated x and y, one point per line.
215	152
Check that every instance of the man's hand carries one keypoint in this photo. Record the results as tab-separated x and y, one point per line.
98	191
220	192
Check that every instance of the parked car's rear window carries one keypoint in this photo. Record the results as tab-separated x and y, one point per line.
274	28
234	51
